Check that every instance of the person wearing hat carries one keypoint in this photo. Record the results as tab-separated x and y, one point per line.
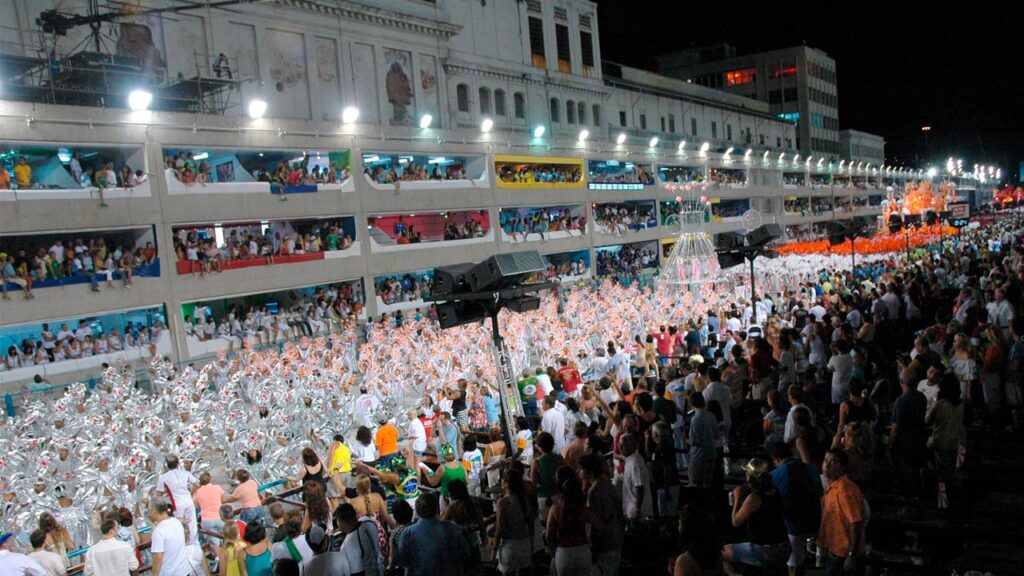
399	480
757	505
14	563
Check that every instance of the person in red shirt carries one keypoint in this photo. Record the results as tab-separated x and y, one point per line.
295	177
663	342
571	378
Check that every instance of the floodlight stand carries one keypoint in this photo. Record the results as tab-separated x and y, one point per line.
752	293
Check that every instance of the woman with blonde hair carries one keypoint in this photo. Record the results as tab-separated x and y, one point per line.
369	503
58	539
227	557
858	441
993	366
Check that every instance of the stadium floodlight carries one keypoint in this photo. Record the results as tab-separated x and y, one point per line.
350	114
425	121
653	142
621	138
486	124
539	131
583	135
257	108
139	100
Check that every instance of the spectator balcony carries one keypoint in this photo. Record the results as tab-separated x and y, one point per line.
565	267
538	173
222	246
33	171
238	171
682	177
406	292
268	318
413	171
619	175
76	350
533	224
623	220
626	259
418	231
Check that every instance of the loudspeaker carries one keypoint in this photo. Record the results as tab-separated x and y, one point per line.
836	239
728	241
764	234
523	304
730	259
931	218
912	220
504	270
945	215
450	279
451	314
895	224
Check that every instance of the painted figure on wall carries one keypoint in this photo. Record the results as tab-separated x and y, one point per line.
398	84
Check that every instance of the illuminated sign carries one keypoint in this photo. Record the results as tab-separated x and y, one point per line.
615	186
959	214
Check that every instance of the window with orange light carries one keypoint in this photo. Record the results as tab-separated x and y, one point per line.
740	77
780	71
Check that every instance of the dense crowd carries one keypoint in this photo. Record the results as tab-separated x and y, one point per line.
539	173
638	174
323	311
187	170
83	342
540	221
415	172
100	175
834	388
619	219
93	259
727	177
248	242
681	174
630	260
408	288
470	228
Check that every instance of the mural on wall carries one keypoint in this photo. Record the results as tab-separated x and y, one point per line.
327	74
137	41
428	87
398	84
288	86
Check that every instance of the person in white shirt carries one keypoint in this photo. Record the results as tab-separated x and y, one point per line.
14	563
178	484
110	556
841	367
82	331
553	422
365	405
52	563
637	500
1000	312
720	392
417	434
168	541
65	334
544	385
599	364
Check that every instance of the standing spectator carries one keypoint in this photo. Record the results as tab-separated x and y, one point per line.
168	541
566	529
51	562
208	498
800	487
701	439
14	563
22	173
553	422
637	500
431	546
177	483
842	520
907	432
110	556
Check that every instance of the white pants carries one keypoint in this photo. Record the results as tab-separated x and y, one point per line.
188	514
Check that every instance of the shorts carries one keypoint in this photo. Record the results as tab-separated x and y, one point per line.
515	555
797	550
760	555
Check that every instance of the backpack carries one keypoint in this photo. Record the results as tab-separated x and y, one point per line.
800	506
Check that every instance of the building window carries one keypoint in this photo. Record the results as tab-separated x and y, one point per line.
662	123
555	111
622	118
785	70
581	112
789	95
714	129
570	112
728	132
499	102
485	101
693	127
740	77
793	117
672	123
562	45
778	141
587	50
519	102
537	42
760	138
462	96
643	122
775	96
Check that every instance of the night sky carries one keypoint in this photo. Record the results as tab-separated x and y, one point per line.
899	67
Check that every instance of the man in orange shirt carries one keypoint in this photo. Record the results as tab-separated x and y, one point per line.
842	519
386	440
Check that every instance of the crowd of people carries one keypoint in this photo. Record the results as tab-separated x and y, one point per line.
631	174
304	172
681	174
470	228
84	341
415	172
248	242
92	259
540	221
409	288
629	260
539	173
719	177
833	388
623	218
322	312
